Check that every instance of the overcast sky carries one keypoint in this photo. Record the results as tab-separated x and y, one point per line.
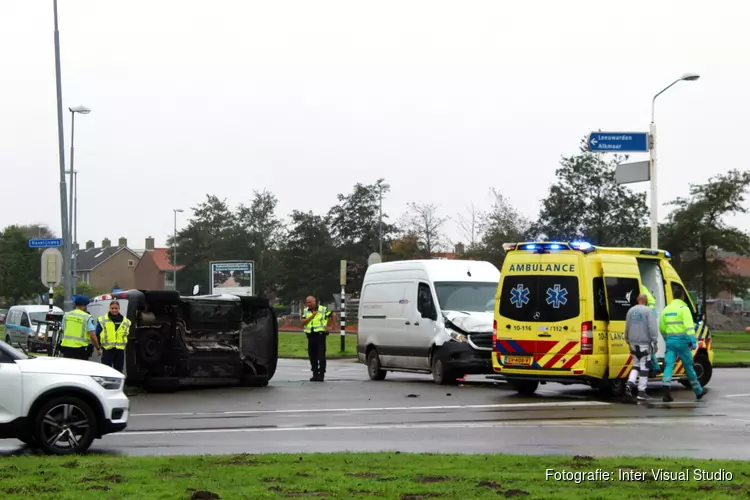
306	98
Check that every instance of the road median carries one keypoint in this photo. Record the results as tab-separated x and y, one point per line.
390	475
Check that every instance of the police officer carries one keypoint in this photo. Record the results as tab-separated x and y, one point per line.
679	333
113	330
79	331
316	320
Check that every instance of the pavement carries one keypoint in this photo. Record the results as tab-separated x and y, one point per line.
409	413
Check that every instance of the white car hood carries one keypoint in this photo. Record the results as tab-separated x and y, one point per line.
474	322
66	366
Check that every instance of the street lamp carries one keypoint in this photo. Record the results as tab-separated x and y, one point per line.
73	208
380	230
688	77
174	248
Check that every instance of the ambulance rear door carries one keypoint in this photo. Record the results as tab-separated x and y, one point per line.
621	287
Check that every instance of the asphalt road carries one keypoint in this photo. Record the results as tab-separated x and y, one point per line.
409	413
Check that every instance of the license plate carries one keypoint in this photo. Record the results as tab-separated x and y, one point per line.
518	360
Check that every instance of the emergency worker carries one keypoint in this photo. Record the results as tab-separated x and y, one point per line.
641	334
678	329
113	330
651	300
316	320
79	331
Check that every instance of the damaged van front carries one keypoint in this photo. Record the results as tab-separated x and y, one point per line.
178	341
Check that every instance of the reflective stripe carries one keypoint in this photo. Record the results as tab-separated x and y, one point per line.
111	338
319	324
74	329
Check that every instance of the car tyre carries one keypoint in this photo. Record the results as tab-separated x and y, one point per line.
373	366
27	438
525	387
612	388
67	420
703	370
440	374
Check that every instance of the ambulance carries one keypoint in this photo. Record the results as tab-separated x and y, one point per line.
560	315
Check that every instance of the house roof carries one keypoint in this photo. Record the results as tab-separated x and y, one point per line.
739	265
161	259
91	258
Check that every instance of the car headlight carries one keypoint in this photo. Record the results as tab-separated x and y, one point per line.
109	383
457	336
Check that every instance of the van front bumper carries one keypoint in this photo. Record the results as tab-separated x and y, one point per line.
460	357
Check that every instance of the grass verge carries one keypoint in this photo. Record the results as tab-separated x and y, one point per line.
362	476
294	345
731	348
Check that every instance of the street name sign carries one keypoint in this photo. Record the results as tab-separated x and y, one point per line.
45	242
618	142
628	173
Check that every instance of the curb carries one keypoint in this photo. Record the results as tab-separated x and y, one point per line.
732	365
329	358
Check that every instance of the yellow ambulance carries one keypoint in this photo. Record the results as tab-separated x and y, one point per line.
560	314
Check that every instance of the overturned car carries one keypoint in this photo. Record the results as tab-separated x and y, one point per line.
179	340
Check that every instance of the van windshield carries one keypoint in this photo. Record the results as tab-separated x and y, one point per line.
466	296
540	298
38	317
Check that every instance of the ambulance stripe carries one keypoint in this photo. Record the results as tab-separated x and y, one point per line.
516	348
560	354
572	361
626	367
501	346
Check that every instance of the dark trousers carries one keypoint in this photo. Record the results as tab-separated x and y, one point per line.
316	351
114	358
75	352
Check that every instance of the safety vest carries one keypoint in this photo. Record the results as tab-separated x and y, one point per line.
111	338
319	323
75	332
651	299
676	319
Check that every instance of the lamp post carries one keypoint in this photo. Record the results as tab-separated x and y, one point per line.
688	77
73	216
174	248
380	229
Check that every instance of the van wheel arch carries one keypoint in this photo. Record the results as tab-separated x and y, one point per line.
374	369
703	369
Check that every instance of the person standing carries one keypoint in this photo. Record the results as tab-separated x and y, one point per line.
678	329
651	302
79	331
316	320
113	330
642	336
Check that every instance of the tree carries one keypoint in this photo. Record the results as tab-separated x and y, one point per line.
20	266
82	288
308	261
469	225
355	225
212	234
37	231
503	223
423	223
696	230
262	230
586	203
404	248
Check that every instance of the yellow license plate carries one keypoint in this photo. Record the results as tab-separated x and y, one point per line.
518	360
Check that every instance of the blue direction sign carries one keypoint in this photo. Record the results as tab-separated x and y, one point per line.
619	142
45	242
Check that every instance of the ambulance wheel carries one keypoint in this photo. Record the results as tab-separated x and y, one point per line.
612	387
373	366
525	387
703	370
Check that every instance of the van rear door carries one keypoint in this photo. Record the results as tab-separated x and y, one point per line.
540	307
622	286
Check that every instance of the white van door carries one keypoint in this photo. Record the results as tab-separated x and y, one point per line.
382	320
420	326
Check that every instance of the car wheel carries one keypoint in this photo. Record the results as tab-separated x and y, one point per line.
27	438
64	426
703	370
612	387
440	374
373	366
525	387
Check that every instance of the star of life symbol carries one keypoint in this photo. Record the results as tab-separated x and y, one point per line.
519	296
557	296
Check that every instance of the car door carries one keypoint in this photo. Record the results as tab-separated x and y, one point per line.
13	327
424	326
25	329
11	397
622	287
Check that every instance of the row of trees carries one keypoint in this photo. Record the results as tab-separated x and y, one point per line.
299	255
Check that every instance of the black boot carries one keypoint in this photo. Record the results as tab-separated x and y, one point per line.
321	377
667	395
315	377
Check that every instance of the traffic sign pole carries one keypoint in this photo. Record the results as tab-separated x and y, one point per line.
652	175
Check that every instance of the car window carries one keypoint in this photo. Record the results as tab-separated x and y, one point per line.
677	286
600	301
25	320
622	294
540	298
425	304
466	296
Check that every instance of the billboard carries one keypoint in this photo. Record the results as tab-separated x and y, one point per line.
236	277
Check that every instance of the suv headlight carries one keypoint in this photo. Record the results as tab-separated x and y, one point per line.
457	336
109	383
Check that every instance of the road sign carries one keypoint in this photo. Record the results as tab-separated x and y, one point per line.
52	263
627	173
374	258
342	273
618	142
45	242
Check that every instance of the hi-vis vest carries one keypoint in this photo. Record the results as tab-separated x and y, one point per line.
74	329
676	319
651	299
319	322
111	338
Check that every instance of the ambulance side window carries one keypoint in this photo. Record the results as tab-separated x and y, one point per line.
622	294
600	301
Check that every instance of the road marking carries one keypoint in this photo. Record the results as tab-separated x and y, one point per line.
737	396
524	425
388	408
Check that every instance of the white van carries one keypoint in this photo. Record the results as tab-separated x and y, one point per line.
428	316
21	325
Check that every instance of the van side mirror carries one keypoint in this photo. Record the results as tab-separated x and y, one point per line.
196	289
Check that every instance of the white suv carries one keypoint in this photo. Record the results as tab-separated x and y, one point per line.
59	405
